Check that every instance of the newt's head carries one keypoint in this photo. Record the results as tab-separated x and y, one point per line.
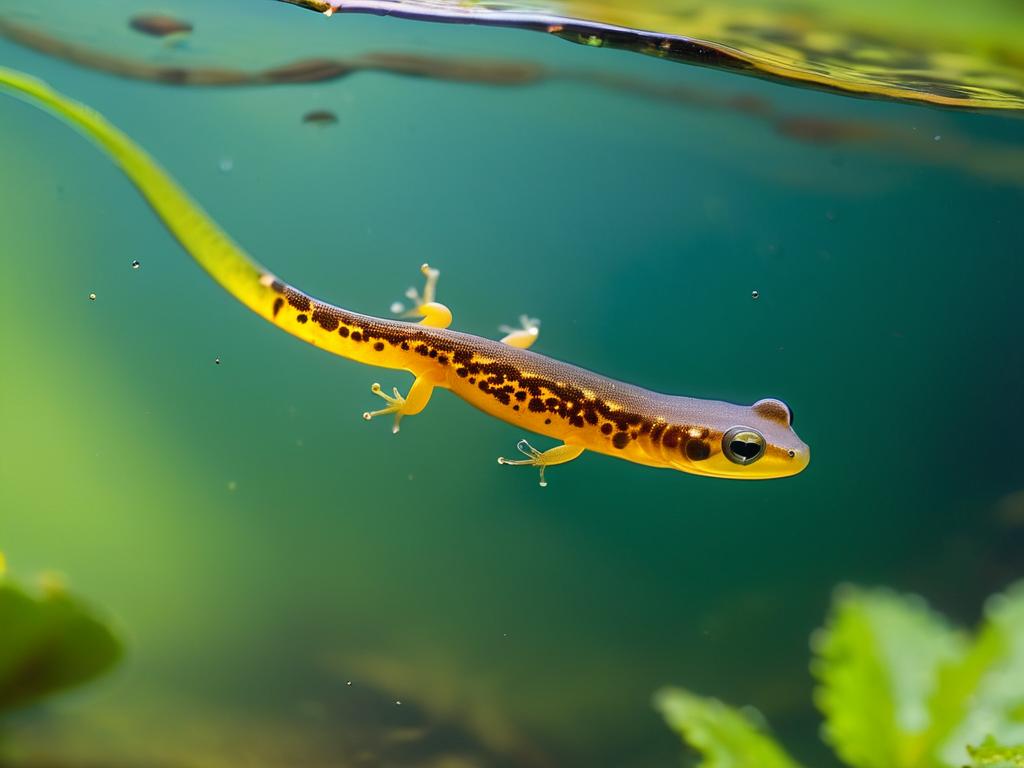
754	442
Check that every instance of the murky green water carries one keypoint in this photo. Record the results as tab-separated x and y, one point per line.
286	573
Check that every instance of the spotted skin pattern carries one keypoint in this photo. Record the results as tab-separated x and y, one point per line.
584	410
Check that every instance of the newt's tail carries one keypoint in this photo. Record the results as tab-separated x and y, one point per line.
226	262
331	328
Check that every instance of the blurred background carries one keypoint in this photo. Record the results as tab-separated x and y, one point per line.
300	587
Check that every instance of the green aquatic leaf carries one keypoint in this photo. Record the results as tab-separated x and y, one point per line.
981	694
724	736
958	54
877	661
49	640
992	755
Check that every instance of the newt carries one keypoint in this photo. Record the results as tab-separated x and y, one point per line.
582	410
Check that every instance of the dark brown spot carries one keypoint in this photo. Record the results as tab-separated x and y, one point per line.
278	303
302	318
515	407
357	336
547	421
536	405
298	300
606	428
343	331
462	372
621	440
325	320
379	346
672	437
697	450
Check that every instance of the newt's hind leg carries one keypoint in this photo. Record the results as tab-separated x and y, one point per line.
433	313
523	336
410	405
560	454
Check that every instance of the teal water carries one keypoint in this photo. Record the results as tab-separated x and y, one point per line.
286	573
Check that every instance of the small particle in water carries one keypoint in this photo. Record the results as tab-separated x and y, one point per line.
92	297
755	295
937	137
226	164
159	25
320	117
216	361
348	682
398	702
135	264
232	486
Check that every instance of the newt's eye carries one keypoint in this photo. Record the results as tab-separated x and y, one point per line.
742	445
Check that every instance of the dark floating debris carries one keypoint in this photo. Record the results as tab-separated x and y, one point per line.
320	117
159	25
992	160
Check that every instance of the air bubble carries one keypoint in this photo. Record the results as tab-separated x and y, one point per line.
92	297
755	295
135	264
216	361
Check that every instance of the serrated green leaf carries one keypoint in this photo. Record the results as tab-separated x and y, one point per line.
49	641
982	694
724	736
992	755
876	662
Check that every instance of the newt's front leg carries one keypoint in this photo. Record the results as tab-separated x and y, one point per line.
560	454
523	335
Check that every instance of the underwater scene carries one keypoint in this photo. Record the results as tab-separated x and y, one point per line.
661	400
